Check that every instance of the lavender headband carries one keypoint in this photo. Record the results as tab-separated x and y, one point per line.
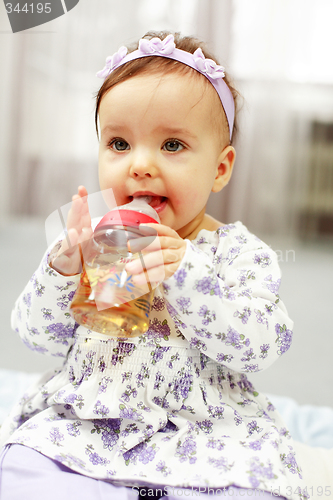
167	48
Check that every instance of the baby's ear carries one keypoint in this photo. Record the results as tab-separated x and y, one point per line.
226	162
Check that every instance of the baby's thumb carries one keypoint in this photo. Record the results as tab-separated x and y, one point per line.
69	242
86	234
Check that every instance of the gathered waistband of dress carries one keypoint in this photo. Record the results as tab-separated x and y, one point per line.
113	355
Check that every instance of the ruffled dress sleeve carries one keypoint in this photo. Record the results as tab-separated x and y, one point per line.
41	313
225	298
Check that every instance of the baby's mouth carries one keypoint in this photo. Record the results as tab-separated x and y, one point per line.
155	201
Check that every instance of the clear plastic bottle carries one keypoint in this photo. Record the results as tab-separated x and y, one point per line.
106	300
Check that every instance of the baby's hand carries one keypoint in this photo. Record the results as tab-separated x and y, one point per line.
162	257
68	258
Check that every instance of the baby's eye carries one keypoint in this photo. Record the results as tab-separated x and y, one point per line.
119	145
173	146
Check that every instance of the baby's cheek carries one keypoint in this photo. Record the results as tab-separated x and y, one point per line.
184	198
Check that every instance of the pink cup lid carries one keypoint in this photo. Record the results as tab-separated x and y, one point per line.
124	218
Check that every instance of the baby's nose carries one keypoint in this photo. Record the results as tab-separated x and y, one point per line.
141	172
143	165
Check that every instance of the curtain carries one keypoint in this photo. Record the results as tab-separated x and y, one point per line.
280	57
278	53
48	83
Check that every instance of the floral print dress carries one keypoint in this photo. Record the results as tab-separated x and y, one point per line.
174	406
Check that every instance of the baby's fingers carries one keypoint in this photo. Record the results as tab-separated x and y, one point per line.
77	211
79	215
72	239
148	267
82	191
85	235
144	243
165	257
68	258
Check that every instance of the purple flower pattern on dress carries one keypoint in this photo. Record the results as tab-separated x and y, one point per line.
47	314
263	259
233	338
217	444
208	315
158	354
228	293
224	358
180	276
161	467
142	453
158	330
186	450
202	332
101	410
70	461
260	472
109	429
273	286
261	318
198	344
289	461
56	437
248	368
182	385
27	299
244	315
137	407
129	392
232	255
264	350
94	457
208	286
284	338
158	304
253	427
60	332
73	429
248	355
245	275
38	287
220	463
184	303
216	411
120	352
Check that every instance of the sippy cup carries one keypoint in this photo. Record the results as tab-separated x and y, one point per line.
107	300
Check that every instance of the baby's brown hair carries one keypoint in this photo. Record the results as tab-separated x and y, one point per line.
162	65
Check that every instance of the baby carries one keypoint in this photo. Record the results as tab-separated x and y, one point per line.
170	412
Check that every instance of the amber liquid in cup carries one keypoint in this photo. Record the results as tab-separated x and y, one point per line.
124	320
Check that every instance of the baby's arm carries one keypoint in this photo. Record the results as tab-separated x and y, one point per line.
41	313
224	298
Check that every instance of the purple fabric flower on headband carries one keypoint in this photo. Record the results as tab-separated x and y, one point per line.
165	47
208	66
112	61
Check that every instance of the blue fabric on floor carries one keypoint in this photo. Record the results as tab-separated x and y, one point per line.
311	425
13	384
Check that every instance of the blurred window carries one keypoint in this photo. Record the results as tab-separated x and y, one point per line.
283	40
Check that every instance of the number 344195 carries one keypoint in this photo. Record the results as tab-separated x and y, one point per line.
29	8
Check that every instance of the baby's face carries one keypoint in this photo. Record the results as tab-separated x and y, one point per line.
158	137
